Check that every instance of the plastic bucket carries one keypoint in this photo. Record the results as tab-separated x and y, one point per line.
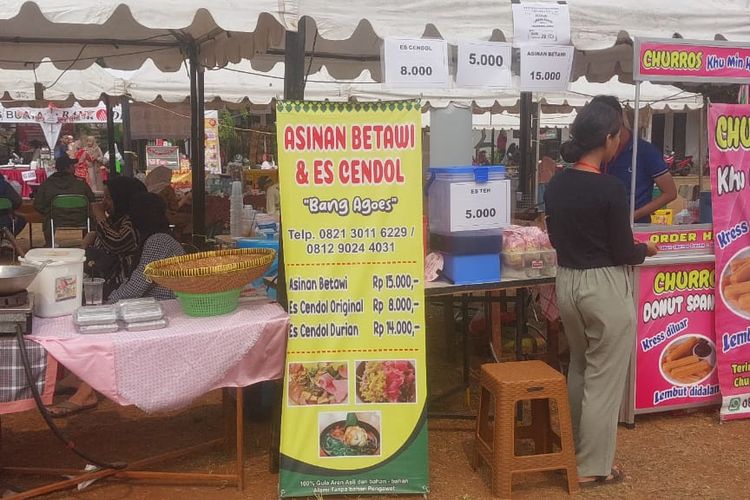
264	243
58	287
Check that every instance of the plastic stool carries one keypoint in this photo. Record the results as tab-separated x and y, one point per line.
510	383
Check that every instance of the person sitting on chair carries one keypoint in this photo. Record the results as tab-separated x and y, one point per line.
61	182
111	247
148	213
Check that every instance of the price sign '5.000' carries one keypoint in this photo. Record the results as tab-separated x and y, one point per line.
483	64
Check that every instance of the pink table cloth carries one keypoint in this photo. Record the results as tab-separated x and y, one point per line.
167	369
14	174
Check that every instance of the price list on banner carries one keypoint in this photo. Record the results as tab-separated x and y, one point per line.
483	64
411	62
353	418
545	67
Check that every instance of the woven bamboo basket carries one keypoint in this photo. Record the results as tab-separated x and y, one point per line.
211	272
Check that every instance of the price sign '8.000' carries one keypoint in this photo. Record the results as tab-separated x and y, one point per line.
415	63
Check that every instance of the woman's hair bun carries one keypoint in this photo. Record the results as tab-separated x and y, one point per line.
571	151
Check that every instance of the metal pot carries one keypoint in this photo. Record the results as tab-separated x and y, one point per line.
14	279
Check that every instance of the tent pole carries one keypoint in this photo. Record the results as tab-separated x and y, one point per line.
294	89
110	136
127	155
634	160
537	143
196	147
524	167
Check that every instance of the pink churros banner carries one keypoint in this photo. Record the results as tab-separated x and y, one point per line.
660	60
676	349
729	159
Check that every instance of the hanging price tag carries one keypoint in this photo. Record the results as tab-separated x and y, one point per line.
411	62
483	64
545	67
541	22
479	206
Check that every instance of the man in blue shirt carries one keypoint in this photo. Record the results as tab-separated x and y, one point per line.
62	146
650	170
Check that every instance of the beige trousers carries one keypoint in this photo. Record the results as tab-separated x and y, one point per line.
598	313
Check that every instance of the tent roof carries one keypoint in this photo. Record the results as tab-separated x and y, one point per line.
345	35
512	121
125	34
237	83
82	85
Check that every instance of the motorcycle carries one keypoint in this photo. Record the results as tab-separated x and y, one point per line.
678	166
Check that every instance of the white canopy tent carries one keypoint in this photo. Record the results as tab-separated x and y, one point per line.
236	83
76	85
512	121
345	38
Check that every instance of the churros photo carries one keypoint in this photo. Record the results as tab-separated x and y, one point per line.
688	360
735	283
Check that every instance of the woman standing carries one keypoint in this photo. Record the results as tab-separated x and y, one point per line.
589	226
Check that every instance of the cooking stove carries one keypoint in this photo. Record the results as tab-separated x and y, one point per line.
15	310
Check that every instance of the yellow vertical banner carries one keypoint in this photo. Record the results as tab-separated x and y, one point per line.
353	418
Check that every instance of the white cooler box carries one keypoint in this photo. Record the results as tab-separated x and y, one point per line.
57	288
468	198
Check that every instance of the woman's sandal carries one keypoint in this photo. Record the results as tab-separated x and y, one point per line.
68	408
615	476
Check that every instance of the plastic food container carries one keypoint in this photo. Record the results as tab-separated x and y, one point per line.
533	264
95	315
94	329
58	287
132	302
141	312
468	198
147	325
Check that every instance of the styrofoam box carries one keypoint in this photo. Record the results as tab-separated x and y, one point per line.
468	198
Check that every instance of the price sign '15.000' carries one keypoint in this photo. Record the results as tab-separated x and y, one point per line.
545	67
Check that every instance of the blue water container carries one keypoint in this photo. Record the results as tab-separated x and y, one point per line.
274	269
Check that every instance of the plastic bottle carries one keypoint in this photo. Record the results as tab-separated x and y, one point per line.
235	210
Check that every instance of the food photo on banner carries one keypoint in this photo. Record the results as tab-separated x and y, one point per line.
729	154
353	417
676	353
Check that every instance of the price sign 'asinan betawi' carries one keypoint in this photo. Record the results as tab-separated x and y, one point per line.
545	67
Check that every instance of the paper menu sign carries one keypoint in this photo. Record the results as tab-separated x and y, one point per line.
545	67
483	64
414	62
541	23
